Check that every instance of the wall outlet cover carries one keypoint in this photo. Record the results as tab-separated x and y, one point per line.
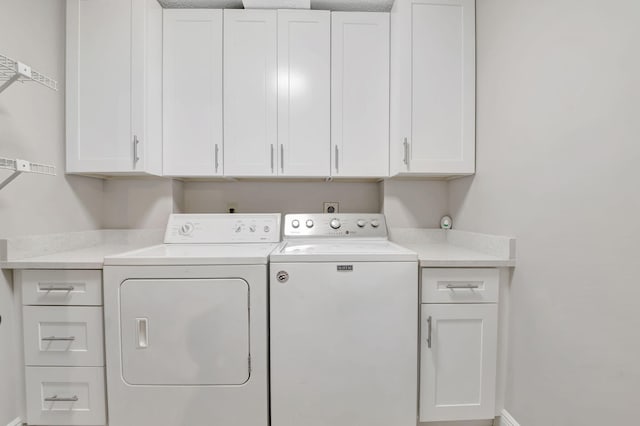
330	207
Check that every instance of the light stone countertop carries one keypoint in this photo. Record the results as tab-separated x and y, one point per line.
87	250
453	248
73	250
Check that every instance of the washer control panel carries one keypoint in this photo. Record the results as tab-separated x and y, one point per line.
222	228
335	225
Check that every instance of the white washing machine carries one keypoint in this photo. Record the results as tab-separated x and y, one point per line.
343	324
186	324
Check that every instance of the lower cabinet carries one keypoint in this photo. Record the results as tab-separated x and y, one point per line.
63	337
459	342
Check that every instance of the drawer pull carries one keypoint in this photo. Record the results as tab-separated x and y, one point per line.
56	398
463	286
58	339
57	288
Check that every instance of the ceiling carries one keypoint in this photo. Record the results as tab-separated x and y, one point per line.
346	5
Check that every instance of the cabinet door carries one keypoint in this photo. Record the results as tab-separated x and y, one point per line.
439	138
458	361
304	92
192	100
99	135
250	92
360	94
114	86
146	89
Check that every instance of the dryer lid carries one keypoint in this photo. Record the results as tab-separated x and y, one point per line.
195	254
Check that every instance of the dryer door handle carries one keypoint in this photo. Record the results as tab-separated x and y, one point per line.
142	330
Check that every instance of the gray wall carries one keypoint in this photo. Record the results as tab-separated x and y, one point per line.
32	128
558	154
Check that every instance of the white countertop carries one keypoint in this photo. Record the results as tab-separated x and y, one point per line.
74	250
87	250
453	248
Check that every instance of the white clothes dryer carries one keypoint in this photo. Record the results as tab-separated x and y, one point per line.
186	324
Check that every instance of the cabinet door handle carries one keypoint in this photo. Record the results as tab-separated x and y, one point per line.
142	328
58	339
337	160
405	144
282	158
56	398
136	142
216	157
429	321
271	158
67	288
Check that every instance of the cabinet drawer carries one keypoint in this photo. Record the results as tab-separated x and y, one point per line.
65	396
460	285
61	287
63	336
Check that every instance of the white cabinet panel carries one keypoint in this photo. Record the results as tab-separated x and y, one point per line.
458	361
60	286
360	94
250	92
460	285
192	92
99	86
304	91
65	396
436	54
63	336
114	86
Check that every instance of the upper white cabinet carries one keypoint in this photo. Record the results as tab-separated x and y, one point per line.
114	86
433	87
276	93
250	92
304	92
192	92
360	94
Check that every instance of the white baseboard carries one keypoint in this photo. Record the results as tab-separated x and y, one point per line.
16	422
507	419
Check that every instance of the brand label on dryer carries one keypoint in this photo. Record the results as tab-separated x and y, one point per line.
345	267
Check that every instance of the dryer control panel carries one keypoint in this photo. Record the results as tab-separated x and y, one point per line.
222	228
354	225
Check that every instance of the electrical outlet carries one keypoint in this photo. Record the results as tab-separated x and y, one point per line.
330	207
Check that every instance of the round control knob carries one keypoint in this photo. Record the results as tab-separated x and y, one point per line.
375	223
252	228
335	223
361	223
309	223
295	223
186	229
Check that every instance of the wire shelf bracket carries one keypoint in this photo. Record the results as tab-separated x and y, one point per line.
12	71
22	166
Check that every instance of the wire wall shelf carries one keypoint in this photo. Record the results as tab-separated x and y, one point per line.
12	71
22	166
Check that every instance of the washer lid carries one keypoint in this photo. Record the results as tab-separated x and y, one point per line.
195	254
341	250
